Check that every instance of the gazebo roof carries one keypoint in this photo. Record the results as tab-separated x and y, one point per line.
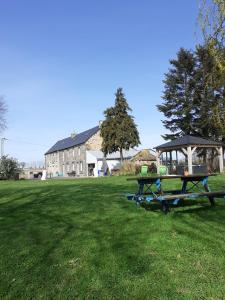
188	140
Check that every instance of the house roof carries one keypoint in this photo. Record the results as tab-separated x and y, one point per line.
115	155
69	142
188	140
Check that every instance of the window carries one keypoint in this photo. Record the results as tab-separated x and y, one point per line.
81	166
68	168
79	151
73	166
73	152
63	156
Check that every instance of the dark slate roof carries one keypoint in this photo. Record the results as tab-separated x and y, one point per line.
188	140
69	142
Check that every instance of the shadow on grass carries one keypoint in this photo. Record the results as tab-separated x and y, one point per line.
85	238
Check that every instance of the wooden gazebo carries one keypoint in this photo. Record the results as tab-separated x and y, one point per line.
187	145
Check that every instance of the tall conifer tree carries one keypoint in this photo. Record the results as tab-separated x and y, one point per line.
194	96
118	130
180	107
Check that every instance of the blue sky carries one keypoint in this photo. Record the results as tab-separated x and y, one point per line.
62	61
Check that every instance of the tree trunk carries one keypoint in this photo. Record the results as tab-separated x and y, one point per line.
121	156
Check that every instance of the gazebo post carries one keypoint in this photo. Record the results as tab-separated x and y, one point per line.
166	159
157	160
221	159
189	157
171	161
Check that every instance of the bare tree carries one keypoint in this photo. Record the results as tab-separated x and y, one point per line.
212	21
3	110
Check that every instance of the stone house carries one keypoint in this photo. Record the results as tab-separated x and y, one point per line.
80	155
69	156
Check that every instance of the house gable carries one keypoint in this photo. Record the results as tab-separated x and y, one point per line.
94	142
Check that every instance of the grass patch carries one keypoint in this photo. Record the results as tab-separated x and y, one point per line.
68	239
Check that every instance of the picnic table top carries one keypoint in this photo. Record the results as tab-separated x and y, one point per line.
182	177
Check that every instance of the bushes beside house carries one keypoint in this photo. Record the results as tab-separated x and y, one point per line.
151	168
9	168
131	168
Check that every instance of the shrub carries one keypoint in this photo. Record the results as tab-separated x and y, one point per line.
9	168
137	169
152	168
128	168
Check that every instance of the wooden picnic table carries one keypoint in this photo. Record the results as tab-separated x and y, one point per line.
188	189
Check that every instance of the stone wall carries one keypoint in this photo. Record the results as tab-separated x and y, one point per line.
52	163
73	159
66	161
95	142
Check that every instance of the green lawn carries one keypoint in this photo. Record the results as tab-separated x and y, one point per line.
68	239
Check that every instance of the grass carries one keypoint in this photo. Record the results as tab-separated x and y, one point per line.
81	239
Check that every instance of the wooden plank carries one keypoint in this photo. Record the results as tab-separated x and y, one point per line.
154	177
190	195
184	151
196	177
182	177
193	150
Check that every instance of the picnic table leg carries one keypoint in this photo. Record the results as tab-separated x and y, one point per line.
165	206
141	188
211	199
184	187
165	203
139	193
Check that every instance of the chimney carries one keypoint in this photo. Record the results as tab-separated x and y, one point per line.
73	134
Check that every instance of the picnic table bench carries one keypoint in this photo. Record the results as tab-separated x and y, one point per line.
147	193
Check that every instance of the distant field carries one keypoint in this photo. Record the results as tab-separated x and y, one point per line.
81	239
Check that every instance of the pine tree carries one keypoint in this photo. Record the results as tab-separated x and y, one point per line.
118	130
180	107
194	96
